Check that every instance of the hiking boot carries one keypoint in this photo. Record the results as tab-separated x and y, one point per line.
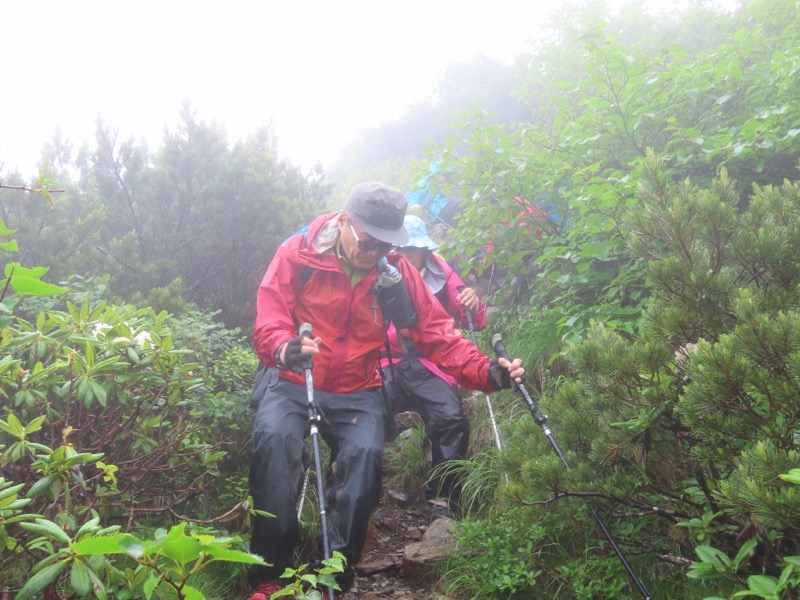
441	510
265	590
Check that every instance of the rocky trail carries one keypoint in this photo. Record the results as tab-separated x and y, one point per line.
401	545
404	541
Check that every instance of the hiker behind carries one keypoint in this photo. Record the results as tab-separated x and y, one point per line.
415	383
427	193
325	276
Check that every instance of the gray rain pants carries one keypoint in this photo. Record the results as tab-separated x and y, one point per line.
352	426
439	404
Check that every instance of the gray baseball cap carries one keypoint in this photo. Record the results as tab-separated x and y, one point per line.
380	210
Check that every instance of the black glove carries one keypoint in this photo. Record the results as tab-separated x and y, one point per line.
499	377
294	359
392	294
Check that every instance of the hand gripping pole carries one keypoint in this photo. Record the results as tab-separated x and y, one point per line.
541	420
313	420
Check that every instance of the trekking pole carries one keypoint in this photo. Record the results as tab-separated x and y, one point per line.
471	326
541	420
313	420
489	285
302	497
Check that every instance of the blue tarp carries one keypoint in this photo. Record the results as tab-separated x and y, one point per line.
426	193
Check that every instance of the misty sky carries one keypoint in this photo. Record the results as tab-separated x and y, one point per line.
321	71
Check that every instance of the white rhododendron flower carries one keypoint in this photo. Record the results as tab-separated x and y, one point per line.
140	340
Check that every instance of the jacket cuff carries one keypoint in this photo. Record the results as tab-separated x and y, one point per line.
277	356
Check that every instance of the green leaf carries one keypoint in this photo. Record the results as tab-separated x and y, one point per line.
20	518
712	556
99	393
35	425
132	546
34	287
793	476
90	355
220	553
150	585
744	551
762	584
328	579
4	230
48	529
785	574
133	355
10	493
12	426
111	544
98	586
90	526
41	580
16	269
15	503
41	486
191	593
79	578
182	550
677	50
703	571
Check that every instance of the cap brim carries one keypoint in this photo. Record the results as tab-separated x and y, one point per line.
396	237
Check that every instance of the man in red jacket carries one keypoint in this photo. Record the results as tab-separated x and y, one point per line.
326	276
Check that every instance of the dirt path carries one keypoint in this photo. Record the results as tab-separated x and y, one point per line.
380	573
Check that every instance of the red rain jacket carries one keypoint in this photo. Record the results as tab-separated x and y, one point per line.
303	286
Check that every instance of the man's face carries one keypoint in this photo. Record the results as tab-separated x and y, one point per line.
361	249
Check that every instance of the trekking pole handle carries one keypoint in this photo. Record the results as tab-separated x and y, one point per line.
305	332
497	346
468	314
500	352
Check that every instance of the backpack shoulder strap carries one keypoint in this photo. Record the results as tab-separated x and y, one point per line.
307	270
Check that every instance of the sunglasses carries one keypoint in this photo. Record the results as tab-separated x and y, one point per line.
371	245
